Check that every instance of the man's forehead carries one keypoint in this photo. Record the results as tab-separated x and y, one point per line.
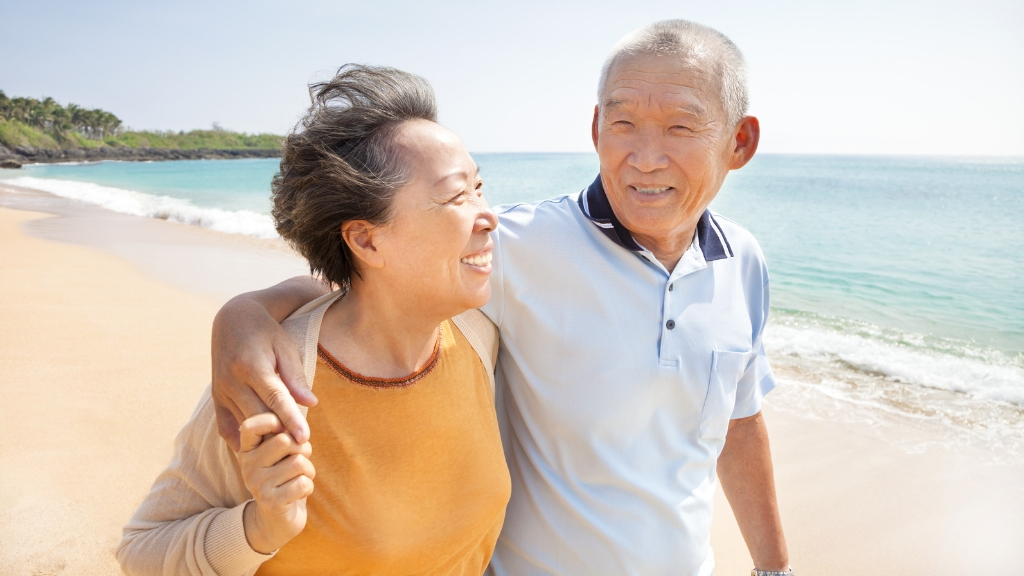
667	81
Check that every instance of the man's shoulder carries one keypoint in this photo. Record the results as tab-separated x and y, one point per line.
741	241
527	213
554	204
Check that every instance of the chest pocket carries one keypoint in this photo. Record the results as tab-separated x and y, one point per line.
727	369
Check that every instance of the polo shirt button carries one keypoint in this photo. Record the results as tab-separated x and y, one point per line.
670	287
670	324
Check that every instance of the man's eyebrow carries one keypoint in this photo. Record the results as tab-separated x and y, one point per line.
613	103
692	108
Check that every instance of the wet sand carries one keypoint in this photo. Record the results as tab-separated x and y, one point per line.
104	346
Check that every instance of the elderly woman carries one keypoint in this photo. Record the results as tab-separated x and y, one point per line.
409	473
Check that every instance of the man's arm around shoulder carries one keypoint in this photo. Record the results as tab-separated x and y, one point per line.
256	368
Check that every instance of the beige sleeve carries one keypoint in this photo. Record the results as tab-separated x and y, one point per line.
481	333
191	520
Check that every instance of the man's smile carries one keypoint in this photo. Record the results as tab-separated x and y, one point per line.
651	191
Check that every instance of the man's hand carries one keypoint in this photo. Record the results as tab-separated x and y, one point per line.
278	473
745	471
256	367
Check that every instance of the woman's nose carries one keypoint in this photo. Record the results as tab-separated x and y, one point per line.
486	221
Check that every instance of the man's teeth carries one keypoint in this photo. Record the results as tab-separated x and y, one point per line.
652	190
482	260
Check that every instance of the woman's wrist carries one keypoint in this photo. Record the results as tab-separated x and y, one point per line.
255	532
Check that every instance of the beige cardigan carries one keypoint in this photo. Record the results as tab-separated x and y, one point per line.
191	520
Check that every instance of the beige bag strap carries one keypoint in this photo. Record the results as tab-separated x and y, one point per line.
482	335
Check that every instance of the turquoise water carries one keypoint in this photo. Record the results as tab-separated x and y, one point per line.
929	245
885	271
227	184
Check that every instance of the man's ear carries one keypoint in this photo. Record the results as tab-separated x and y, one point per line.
593	125
363	240
746	137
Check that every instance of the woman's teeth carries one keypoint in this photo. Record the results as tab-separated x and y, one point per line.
652	190
481	260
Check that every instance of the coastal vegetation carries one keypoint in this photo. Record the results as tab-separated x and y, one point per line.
47	125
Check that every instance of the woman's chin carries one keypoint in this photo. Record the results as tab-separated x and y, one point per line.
478	298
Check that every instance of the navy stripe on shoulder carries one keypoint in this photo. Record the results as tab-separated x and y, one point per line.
594	203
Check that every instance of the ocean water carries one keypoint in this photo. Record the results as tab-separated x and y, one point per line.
897	283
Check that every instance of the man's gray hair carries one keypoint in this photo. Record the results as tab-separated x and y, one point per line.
704	48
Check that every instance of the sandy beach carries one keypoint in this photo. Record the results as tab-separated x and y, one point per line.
105	349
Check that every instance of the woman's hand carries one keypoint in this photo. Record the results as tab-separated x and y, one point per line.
278	473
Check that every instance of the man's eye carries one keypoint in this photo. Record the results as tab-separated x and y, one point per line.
458	196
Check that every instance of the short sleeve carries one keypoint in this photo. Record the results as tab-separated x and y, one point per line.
756	382
758	379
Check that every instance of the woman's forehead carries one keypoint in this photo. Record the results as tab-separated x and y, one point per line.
433	153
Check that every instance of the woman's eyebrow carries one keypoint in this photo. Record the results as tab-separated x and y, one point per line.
476	173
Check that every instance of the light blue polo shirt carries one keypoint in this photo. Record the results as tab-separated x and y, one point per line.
617	381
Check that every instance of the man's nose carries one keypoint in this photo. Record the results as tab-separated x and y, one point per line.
648	153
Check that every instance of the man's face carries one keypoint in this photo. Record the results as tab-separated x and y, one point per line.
664	143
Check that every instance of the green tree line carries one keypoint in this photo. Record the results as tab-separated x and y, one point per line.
49	116
46	124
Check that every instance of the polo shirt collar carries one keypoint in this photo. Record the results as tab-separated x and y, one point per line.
594	203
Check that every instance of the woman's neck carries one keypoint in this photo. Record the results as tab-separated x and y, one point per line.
372	333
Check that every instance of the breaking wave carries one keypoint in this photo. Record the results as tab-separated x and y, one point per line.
154	206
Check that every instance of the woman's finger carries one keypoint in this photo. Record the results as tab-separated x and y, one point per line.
290	468
274	449
253	430
295	489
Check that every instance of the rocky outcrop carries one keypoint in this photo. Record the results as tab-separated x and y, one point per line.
31	154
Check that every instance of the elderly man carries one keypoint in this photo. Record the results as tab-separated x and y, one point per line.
631	365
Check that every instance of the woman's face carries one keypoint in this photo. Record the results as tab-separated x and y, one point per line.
436	248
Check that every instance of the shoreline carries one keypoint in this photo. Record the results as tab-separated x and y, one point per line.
859	492
191	258
24	155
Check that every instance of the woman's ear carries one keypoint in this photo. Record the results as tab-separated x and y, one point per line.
363	240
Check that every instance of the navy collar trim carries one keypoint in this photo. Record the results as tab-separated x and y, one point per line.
594	203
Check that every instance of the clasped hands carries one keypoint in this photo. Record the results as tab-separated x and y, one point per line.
277	471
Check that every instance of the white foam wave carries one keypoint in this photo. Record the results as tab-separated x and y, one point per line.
980	373
153	206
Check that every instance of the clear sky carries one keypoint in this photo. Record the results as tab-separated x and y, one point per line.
866	77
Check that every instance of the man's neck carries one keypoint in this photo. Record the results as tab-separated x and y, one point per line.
374	335
669	249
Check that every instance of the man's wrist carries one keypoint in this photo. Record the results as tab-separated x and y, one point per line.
786	572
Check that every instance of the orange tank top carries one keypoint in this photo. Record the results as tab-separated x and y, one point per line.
410	473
